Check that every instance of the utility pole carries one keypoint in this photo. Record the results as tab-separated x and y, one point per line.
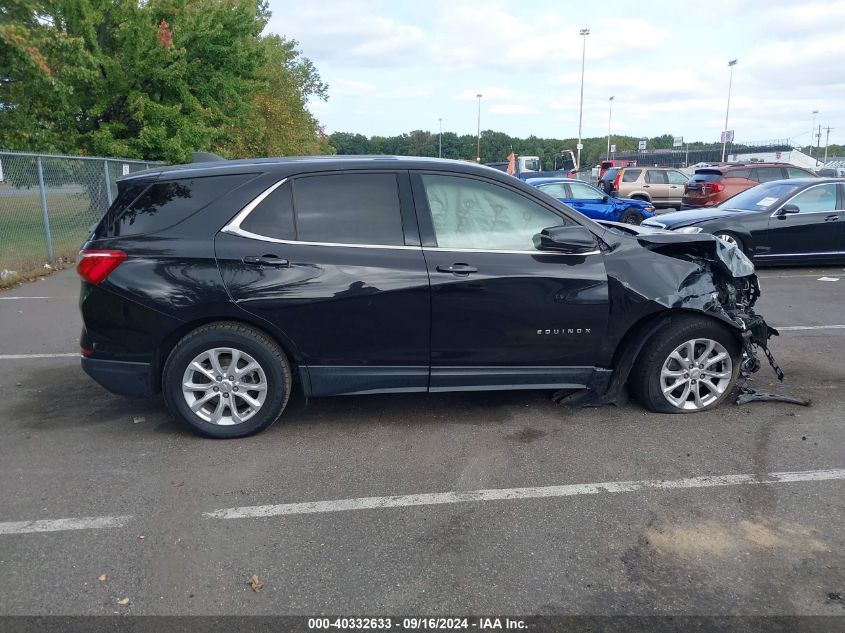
440	139
609	119
583	33
826	143
731	64
478	142
819	139
813	130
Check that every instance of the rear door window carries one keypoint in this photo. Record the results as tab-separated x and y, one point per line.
767	174
348	209
631	175
739	173
655	177
141	209
676	178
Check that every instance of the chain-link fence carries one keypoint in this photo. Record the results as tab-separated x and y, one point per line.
48	204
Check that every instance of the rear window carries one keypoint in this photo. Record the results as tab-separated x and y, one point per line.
610	174
706	175
144	207
631	175
826	173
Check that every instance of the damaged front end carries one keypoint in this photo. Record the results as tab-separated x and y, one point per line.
653	275
723	285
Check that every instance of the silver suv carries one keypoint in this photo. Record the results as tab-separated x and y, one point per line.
661	186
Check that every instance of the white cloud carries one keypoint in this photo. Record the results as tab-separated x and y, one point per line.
351	87
513	108
490	93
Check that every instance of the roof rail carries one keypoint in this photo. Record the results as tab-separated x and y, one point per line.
205	157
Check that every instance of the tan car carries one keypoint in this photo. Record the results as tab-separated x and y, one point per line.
661	186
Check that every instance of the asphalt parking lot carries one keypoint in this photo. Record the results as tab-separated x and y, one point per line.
109	507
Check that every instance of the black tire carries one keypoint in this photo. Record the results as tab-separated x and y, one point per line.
645	380
631	217
248	341
731	238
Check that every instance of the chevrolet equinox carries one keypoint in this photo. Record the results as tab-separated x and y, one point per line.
226	285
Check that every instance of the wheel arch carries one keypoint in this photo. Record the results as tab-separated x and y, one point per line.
287	346
639	195
639	334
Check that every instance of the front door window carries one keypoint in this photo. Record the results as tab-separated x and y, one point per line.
474	214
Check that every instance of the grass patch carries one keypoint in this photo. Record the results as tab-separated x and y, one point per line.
23	246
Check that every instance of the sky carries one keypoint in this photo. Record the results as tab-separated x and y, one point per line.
400	65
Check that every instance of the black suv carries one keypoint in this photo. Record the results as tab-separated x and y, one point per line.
228	284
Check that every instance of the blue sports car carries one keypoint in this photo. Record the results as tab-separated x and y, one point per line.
592	202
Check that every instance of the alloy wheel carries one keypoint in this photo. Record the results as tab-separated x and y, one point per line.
696	374
730	239
224	386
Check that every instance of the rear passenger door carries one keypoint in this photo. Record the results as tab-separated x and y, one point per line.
332	261
677	180
657	185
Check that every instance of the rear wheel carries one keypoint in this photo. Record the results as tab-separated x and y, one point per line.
691	366
226	380
631	217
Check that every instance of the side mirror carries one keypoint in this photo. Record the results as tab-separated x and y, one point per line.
605	198
566	239
788	209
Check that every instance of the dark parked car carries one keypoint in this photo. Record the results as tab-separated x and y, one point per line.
799	220
592	202
226	285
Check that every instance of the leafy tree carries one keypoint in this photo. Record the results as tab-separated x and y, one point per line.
154	80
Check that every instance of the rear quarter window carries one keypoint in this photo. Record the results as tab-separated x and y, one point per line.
631	175
142	208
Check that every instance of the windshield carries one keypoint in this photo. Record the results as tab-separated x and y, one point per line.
760	198
532	164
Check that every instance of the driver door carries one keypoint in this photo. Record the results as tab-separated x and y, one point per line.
504	314
815	231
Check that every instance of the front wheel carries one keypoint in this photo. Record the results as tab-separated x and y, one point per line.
631	217
226	380
691	366
731	239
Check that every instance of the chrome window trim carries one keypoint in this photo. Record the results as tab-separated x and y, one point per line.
786	202
234	227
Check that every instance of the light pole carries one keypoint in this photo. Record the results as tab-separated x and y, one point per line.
813	130
731	64
609	119
440	139
478	141
583	33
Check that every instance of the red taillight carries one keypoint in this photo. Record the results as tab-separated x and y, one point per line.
713	187
94	265
86	351
616	180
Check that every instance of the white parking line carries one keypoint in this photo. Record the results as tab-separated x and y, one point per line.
788	328
60	525
23	356
503	494
19	298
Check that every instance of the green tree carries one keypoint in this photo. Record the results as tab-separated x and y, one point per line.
154	80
